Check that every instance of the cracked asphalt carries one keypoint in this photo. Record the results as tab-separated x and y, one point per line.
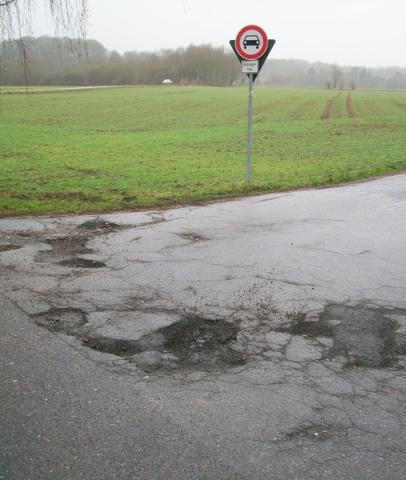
257	338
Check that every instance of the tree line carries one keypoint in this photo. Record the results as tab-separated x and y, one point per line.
300	73
66	61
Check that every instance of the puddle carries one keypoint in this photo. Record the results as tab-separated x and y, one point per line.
66	249
67	246
365	336
8	248
78	262
62	320
191	343
99	225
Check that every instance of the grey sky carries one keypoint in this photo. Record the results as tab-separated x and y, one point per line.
356	32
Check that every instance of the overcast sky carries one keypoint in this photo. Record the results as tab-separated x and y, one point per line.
349	32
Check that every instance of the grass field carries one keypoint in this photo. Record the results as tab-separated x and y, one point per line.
144	146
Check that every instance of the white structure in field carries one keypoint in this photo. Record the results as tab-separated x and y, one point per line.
167	81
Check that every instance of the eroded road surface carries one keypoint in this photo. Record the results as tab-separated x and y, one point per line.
262	338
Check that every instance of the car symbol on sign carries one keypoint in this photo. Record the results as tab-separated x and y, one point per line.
251	40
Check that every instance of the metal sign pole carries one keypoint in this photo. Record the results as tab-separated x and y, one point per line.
252	48
249	140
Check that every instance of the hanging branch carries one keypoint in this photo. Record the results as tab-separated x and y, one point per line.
69	18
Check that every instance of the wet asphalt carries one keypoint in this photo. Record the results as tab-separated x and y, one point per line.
255	338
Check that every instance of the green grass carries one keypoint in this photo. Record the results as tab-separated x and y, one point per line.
137	147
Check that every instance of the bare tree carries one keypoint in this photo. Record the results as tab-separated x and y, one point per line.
336	74
69	16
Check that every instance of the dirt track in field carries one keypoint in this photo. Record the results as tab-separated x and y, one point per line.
350	107
326	114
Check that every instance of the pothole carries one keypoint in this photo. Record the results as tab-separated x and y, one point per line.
193	237
190	343
8	247
78	262
65	251
366	336
314	433
62	320
99	225
197	341
67	246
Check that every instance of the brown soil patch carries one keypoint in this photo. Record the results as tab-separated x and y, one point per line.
329	107
350	108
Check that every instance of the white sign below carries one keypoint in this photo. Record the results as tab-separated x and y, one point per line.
250	66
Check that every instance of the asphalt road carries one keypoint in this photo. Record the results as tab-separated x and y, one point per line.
251	339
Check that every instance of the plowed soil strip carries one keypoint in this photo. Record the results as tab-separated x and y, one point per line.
350	108
329	107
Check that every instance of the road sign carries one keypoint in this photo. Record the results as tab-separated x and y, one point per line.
251	42
252	48
260	61
249	66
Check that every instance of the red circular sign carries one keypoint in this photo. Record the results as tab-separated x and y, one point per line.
251	42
